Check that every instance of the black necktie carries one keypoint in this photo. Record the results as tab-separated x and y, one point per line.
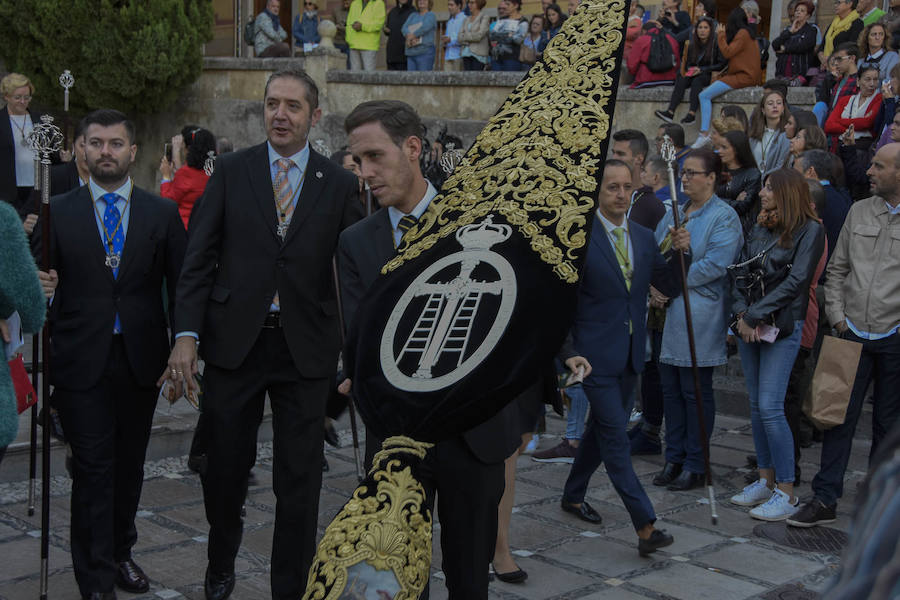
406	223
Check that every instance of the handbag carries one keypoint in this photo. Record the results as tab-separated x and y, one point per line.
527	55
832	383
752	283
716	75
25	396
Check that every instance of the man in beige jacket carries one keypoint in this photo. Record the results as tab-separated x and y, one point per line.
862	302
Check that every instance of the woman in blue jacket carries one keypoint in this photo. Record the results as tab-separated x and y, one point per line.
419	32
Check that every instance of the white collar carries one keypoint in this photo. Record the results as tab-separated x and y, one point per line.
395	215
609	225
301	158
124	192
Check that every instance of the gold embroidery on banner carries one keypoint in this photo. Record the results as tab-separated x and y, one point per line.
536	162
388	528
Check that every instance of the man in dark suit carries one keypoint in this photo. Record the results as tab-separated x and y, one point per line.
108	343
622	261
465	473
73	174
257	291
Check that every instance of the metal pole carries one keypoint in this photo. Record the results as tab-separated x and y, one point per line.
46	139
35	366
668	154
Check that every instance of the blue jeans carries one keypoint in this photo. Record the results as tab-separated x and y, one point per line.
717	88
506	64
821	111
578	405
421	62
606	441
767	370
880	360
683	445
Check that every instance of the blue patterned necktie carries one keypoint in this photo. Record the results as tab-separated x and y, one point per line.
113	226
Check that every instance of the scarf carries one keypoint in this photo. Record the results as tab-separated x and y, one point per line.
838	26
768	218
276	23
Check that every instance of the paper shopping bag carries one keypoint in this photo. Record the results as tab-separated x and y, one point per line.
832	382
25	396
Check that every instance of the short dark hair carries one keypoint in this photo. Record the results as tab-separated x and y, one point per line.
637	141
817	193
312	90
516	2
187	134
657	166
820	161
399	119
615	162
712	162
779	85
849	47
107	117
674	131
804	118
339	156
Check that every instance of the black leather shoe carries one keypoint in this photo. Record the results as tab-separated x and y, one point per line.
102	596
331	436
584	511
658	539
131	577
218	586
325	466
668	474
687	481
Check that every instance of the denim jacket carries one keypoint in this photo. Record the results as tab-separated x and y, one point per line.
716	240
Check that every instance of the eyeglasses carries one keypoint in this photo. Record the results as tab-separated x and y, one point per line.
21	98
690	173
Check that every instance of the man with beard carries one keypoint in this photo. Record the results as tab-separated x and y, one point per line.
109	342
257	292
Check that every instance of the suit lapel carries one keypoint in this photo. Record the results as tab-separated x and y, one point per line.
384	237
261	182
600	238
137	225
86	218
310	193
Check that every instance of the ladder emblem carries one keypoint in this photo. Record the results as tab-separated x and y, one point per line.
454	313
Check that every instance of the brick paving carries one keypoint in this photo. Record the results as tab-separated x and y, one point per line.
565	558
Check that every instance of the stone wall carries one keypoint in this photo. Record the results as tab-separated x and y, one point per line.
227	99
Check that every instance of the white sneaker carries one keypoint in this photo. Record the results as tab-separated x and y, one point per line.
701	142
755	493
778	508
532	445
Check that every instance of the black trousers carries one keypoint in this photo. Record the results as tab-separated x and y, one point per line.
107	427
695	84
233	407
468	492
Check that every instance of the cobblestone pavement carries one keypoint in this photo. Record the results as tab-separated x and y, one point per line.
565	558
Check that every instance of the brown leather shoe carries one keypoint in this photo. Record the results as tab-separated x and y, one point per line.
131	578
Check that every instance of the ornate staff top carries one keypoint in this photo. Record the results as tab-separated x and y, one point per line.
45	138
450	158
667	151
66	81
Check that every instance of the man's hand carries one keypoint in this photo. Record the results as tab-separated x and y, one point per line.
842	327
681	239
344	387
49	281
356	25
657	298
29	223
4	332
579	363
182	366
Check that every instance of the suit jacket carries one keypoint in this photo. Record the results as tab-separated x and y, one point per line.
363	249
87	299
236	261
606	305
64	178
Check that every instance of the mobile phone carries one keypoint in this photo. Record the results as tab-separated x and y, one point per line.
887	84
167	150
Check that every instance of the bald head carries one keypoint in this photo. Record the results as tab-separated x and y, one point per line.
884	173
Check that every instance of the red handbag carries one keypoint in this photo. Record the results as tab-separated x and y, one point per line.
25	396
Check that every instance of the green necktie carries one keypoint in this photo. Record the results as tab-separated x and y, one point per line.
622	255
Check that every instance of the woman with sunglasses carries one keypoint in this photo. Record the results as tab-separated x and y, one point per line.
306	27
716	239
770	295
